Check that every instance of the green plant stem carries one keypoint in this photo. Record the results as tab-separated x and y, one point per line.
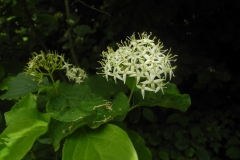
132	90
50	75
131	108
52	79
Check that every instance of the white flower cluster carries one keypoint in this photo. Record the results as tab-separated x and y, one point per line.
42	63
74	73
140	58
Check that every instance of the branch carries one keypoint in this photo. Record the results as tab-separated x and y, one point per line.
70	35
98	10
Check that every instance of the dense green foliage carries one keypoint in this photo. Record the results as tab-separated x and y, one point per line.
204	35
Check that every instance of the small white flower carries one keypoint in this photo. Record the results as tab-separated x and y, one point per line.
143	89
151	81
66	66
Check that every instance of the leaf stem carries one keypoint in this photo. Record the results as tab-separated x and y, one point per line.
131	108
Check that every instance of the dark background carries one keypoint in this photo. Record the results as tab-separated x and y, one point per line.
204	34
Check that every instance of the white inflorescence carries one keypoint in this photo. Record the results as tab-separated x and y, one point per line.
76	74
140	58
41	63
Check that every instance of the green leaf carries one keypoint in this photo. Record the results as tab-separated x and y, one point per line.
81	30
233	153
181	158
202	154
173	118
25	113
131	83
216	146
190	152
134	115
58	129
49	20
148	114
19	86
120	106
106	142
24	126
100	86
46	18
72	19
66	46
182	144
142	151
68	95
4	83
47	86
27	102
74	107
163	155
45	140
79	96
180	102
170	99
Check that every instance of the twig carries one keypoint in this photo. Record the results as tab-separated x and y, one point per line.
70	35
83	3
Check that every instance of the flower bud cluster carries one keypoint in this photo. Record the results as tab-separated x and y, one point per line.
45	64
140	58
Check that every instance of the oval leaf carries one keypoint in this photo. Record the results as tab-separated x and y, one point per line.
25	125
19	86
170	99
106	142
82	30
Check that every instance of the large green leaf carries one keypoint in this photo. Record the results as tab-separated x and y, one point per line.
58	129
93	112
24	126
27	102
107	111
106	142
170	99
100	86
19	86
67	95
76	101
